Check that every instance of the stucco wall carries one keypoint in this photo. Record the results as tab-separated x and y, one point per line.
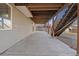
22	27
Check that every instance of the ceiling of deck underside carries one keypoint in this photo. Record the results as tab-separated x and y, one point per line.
42	12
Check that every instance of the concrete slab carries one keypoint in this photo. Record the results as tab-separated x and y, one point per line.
40	44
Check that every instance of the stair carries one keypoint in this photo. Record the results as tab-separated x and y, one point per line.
67	19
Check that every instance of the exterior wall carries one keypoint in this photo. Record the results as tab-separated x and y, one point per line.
22	27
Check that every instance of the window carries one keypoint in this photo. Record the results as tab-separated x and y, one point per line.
5	16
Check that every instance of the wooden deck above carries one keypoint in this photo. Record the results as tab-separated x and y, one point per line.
42	12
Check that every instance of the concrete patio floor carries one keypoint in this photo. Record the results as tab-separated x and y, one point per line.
40	44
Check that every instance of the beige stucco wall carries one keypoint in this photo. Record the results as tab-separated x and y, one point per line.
22	27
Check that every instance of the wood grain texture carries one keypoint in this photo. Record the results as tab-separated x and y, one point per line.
42	12
78	30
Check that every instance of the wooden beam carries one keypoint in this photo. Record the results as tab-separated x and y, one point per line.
21	4
40	4
42	16
44	11
38	13
40	21
43	8
44	5
78	30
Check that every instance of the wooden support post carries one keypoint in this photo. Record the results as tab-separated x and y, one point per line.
53	27
78	30
2	23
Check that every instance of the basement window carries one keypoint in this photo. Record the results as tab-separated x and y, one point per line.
5	17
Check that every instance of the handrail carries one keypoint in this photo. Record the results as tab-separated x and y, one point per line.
66	5
70	19
72	16
69	11
67	24
66	14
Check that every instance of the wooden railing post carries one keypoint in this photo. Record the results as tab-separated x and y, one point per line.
78	30
53	27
